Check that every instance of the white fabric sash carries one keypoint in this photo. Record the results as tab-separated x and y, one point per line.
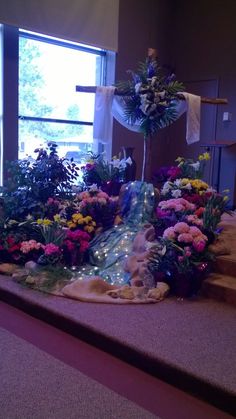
108	105
103	119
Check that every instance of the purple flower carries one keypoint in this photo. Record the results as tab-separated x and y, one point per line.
174	172
162	213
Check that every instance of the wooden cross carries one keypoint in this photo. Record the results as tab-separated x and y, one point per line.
152	55
212	101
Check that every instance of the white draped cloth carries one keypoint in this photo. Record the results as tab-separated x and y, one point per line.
109	105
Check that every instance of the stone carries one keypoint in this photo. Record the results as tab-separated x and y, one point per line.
8	268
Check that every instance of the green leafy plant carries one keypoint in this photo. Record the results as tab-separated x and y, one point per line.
30	184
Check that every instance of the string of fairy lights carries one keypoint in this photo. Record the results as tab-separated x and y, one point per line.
110	250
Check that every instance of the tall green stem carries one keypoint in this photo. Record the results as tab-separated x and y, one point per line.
144	158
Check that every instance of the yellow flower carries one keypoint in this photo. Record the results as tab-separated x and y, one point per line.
87	219
76	217
80	221
47	222
204	156
57	218
185	181
198	184
44	221
71	224
89	229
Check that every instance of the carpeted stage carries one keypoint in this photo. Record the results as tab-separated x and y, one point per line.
189	344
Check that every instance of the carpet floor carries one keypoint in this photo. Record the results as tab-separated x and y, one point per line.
190	344
46	373
36	385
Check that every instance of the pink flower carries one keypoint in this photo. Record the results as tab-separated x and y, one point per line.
51	249
174	172
177	204
84	195
77	235
84	245
185	238
195	231
199	246
169	233
181	228
52	201
194	220
27	246
162	213
102	194
187	251
70	245
200	237
102	201
180	259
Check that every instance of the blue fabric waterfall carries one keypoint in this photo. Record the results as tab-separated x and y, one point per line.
109	249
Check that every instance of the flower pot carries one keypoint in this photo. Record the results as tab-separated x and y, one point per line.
187	284
73	258
112	187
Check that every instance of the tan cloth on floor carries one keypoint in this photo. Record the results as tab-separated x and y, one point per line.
97	290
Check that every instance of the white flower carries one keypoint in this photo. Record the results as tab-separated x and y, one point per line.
162	94
178	183
137	87
123	164
188	186
196	165
153	80
129	161
93	187
210	189
166	188
115	163
176	193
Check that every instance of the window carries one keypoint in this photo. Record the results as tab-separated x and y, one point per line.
49	107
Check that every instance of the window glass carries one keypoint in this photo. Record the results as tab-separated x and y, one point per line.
69	138
48	74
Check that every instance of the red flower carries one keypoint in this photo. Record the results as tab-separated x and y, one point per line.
70	245
14	248
174	172
199	211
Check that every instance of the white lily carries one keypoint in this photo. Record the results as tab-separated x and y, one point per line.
176	193
196	165
93	187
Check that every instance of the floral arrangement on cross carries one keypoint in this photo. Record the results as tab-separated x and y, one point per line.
149	100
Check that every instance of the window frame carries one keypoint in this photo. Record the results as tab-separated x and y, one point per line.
9	89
